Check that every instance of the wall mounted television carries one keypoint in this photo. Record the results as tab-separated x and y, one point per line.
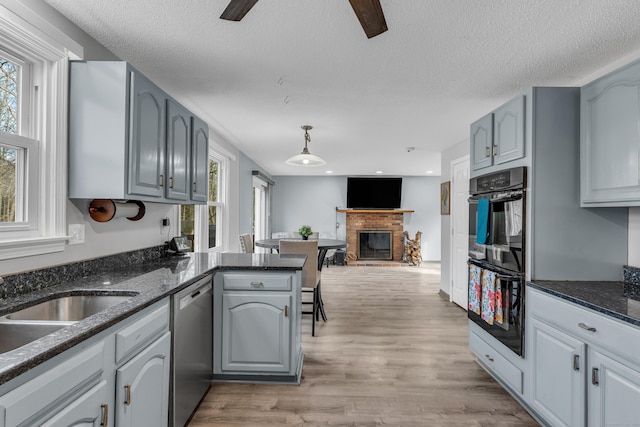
374	193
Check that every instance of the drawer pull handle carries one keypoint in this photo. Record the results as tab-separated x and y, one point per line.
489	358
576	362
127	394
257	284
586	327
105	414
594	376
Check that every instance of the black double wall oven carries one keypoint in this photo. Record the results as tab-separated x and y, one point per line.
497	230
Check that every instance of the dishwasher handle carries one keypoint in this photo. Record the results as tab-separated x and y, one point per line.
198	293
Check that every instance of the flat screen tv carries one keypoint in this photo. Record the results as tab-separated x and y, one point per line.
374	193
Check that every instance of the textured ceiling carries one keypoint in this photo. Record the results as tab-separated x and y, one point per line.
441	65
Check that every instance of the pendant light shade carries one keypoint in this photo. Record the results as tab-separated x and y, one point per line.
305	158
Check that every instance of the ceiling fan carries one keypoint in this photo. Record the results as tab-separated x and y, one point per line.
369	13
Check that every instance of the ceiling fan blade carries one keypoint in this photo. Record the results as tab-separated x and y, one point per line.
236	9
370	15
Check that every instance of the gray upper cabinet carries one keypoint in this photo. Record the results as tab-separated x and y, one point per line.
127	138
610	139
482	142
147	137
199	161
178	151
498	137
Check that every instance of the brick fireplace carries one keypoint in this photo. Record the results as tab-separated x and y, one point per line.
375	220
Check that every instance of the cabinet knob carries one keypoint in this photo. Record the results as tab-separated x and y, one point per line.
257	284
127	394
105	414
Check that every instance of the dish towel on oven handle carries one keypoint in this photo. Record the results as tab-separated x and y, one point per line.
482	226
488	296
475	288
499	312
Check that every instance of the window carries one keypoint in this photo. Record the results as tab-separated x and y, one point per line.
202	224
33	87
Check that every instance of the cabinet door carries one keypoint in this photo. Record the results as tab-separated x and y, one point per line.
610	138
558	378
178	152
508	131
142	387
482	142
90	410
256	332
146	137
200	161
614	392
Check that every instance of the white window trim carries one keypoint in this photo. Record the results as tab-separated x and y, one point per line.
29	31
202	213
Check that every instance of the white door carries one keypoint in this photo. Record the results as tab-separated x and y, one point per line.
459	231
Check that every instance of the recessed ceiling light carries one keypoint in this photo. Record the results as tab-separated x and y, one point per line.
378	171
429	171
329	171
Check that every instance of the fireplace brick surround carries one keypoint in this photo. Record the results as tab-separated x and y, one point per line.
375	220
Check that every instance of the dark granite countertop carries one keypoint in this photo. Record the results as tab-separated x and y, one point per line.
148	283
604	297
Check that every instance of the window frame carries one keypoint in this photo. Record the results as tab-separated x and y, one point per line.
26	35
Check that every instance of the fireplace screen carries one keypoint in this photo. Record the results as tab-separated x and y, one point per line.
375	245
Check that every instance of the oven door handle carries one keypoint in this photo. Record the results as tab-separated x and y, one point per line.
502	276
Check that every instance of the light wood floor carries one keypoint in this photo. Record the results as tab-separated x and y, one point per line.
392	353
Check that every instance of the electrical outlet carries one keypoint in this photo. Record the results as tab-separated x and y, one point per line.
165	222
76	233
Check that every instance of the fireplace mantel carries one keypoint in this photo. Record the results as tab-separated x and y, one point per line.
382	211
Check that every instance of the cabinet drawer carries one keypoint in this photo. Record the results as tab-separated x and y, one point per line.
48	392
606	332
257	282
136	335
498	364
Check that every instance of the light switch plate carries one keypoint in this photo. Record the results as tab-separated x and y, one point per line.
76	233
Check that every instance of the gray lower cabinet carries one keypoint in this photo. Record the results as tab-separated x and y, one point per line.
498	137
257	326
128	139
558	377
120	377
610	139
577	352
142	386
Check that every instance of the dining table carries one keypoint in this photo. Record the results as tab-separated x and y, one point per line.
323	246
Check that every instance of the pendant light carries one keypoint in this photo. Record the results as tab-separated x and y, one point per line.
305	158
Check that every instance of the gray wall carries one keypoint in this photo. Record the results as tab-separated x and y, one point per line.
312	200
457	151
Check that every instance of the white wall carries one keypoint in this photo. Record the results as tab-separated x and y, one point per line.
459	150
312	200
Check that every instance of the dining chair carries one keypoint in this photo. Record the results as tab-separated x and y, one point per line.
331	253
310	273
246	243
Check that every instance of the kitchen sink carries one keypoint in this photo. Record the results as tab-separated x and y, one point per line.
14	335
67	309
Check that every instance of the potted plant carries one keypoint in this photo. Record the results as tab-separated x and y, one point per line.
305	232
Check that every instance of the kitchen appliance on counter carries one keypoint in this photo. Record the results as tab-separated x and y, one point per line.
497	225
192	350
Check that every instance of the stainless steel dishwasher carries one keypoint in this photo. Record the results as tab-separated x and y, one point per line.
192	336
